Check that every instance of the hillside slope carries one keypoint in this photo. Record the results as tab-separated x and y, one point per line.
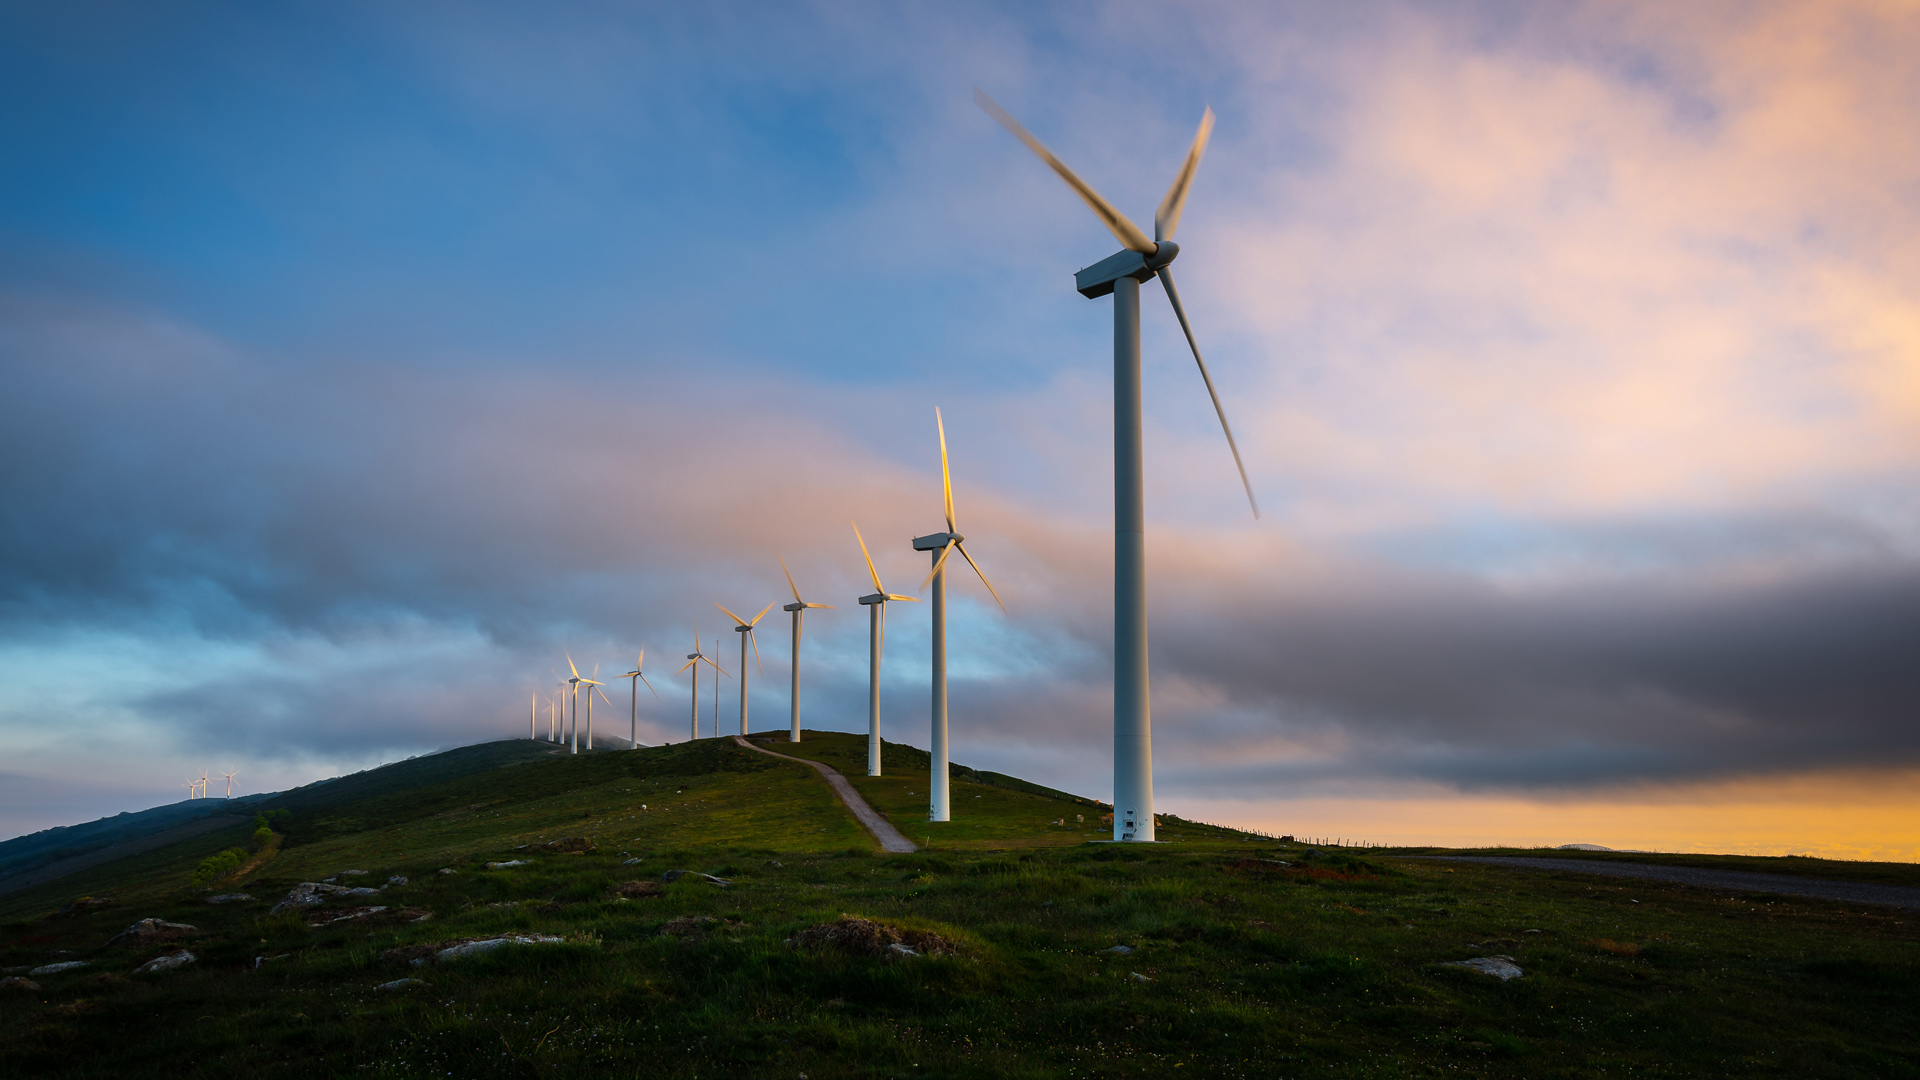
1028	952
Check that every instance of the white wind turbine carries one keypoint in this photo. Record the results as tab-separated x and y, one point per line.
229	776
799	608
203	784
1121	274
576	683
876	605
743	627
694	660
533	713
635	678
943	544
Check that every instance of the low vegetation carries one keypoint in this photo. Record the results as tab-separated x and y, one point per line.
524	922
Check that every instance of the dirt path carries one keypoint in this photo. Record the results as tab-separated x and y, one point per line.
880	827
1859	892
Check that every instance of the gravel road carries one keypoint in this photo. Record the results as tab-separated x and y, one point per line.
1858	892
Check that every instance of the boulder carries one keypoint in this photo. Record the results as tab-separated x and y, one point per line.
397	880
474	948
504	865
85	904
672	876
445	870
166	963
401	984
315	893
147	931
15	982
55	969
569	845
229	898
1500	967
1123	950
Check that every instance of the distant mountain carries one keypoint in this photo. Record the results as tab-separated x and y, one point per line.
53	853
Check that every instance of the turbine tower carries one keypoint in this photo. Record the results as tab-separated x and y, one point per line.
635	679
799	609
876	605
533	714
743	627
1121	274
943	544
229	776
694	660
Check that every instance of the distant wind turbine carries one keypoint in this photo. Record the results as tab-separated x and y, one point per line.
694	660
799	608
943	544
1121	275
577	682
229	776
635	679
533	714
743	627
876	605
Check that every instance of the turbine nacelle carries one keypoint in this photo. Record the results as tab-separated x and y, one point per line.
936	541
1097	280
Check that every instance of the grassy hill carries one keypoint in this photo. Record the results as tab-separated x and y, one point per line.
1246	958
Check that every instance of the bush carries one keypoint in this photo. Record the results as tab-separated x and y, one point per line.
218	866
262	836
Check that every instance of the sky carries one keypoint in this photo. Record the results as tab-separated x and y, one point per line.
361	362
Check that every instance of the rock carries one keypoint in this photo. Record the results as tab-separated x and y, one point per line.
229	898
672	876
1500	967
150	930
474	948
85	904
396	880
258	960
1139	977
856	936
342	915
55	969
631	862
569	845
353	873
15	982
635	890
901	949
166	963
1123	950
315	893
509	862
445	870
401	984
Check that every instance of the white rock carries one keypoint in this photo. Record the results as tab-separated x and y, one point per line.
898	949
55	969
1123	950
401	984
631	862
353	873
509	862
474	948
228	898
396	880
445	870
1500	967
1139	977
166	963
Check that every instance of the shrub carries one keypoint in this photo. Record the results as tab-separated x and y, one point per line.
218	866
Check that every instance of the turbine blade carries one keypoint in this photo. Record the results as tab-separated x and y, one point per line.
1180	311
737	620
895	596
790	584
1167	218
755	642
762	615
603	696
946	478
1125	231
871	572
640	661
570	667
716	667
812	605
650	688
983	577
937	564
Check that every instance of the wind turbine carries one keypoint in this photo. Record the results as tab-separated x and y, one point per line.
876	605
743	627
943	544
576	683
635	678
603	697
229	776
694	660
533	713
203	784
799	608
1121	274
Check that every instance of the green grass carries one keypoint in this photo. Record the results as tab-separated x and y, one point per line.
1330	967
